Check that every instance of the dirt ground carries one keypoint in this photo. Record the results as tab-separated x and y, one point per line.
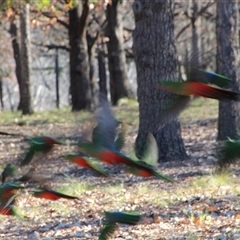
200	215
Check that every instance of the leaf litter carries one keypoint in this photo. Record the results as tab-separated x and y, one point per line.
197	206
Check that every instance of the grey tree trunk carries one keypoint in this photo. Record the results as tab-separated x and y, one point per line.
119	82
16	55
227	64
156	59
91	41
79	62
26	61
196	33
102	70
1	95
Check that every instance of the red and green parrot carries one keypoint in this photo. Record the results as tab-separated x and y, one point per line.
7	198
86	163
103	146
51	195
8	171
146	167
39	145
197	89
111	220
195	86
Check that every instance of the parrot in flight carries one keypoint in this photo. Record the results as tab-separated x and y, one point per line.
86	163
195	86
52	195
148	162
111	220
196	89
7	198
208	77
103	146
39	145
229	153
8	171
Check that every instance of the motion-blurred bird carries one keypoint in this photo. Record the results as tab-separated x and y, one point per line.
146	167
195	86
86	163
197	89
7	198
51	195
8	171
229	153
111	220
39	145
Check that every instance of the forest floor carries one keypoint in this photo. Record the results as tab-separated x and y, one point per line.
199	205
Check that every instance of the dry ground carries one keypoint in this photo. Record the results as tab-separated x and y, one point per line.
200	205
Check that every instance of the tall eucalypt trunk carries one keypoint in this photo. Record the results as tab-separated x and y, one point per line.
26	60
156	60
16	54
228	64
119	82
79	63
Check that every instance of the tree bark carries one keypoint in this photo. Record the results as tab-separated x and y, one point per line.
119	82
79	62
156	59
102	70
196	34
16	55
227	64
26	61
91	41
1	94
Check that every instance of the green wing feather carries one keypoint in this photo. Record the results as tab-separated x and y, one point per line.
9	171
163	177
35	150
150	155
98	168
38	193
229	153
208	77
107	231
122	217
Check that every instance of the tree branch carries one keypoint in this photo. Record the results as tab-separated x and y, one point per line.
52	46
63	23
84	16
182	30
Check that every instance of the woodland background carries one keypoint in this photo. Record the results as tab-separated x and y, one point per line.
60	54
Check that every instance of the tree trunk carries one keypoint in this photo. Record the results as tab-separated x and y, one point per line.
227	64
102	70
91	41
26	60
119	82
16	55
156	59
1	95
196	34
79	63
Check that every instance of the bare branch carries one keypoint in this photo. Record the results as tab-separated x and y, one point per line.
51	46
182	30
63	23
